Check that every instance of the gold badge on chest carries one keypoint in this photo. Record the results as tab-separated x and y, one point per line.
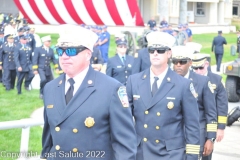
170	105
89	122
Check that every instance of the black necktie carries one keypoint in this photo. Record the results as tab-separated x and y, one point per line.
69	93
124	61
154	86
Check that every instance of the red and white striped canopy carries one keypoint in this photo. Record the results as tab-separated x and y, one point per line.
89	12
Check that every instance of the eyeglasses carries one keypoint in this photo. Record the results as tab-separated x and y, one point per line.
70	51
159	51
200	68
180	61
122	46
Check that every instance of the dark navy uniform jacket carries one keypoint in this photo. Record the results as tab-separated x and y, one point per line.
238	44
7	56
168	122
217	44
141	61
22	57
96	56
221	99
119	71
207	106
31	41
42	58
16	39
111	137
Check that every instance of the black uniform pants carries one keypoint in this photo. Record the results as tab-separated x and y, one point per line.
9	77
218	60
0	76
209	157
44	78
28	80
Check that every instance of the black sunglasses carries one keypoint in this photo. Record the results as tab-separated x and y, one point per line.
180	61
70	51
196	68
159	51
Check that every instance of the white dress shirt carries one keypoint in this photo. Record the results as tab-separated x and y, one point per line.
78	79
187	75
161	77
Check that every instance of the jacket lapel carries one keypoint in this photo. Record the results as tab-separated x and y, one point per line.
193	79
144	88
60	95
82	94
164	88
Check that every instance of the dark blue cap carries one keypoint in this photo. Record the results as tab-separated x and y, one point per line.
99	28
20	29
121	41
23	37
180	26
82	25
26	28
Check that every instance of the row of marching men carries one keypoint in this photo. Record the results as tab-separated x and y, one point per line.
15	55
207	87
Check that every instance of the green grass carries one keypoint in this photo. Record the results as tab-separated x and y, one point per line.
14	107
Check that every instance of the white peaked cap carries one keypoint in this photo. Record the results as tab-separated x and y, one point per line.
46	38
160	39
181	52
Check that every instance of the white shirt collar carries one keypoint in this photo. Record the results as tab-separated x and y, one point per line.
206	73
78	79
161	77
187	75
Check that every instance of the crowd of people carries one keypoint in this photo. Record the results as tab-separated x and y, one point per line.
179	106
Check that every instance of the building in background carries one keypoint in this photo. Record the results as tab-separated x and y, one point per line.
199	11
236	8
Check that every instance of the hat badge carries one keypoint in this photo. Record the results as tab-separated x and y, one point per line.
89	122
170	105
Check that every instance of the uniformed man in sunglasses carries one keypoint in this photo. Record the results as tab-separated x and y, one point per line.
42	58
86	113
204	93
200	66
120	66
164	108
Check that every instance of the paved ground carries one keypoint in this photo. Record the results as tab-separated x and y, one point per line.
228	149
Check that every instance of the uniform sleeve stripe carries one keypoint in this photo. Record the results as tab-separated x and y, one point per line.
56	66
222	119
189	152
211	127
35	66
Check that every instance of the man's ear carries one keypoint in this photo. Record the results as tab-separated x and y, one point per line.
169	53
88	54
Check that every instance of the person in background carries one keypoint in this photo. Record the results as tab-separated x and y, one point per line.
104	43
20	33
189	32
152	23
119	67
41	62
200	66
238	42
23	61
218	49
163	22
7	62
1	43
38	42
96	59
182	61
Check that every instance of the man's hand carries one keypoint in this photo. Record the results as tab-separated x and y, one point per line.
0	67
19	69
35	72
220	135
208	148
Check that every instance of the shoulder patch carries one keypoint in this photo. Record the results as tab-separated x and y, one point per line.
136	55
122	95
192	89
210	86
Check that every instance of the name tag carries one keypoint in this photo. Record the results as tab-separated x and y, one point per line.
119	66
136	96
170	97
50	106
42	54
